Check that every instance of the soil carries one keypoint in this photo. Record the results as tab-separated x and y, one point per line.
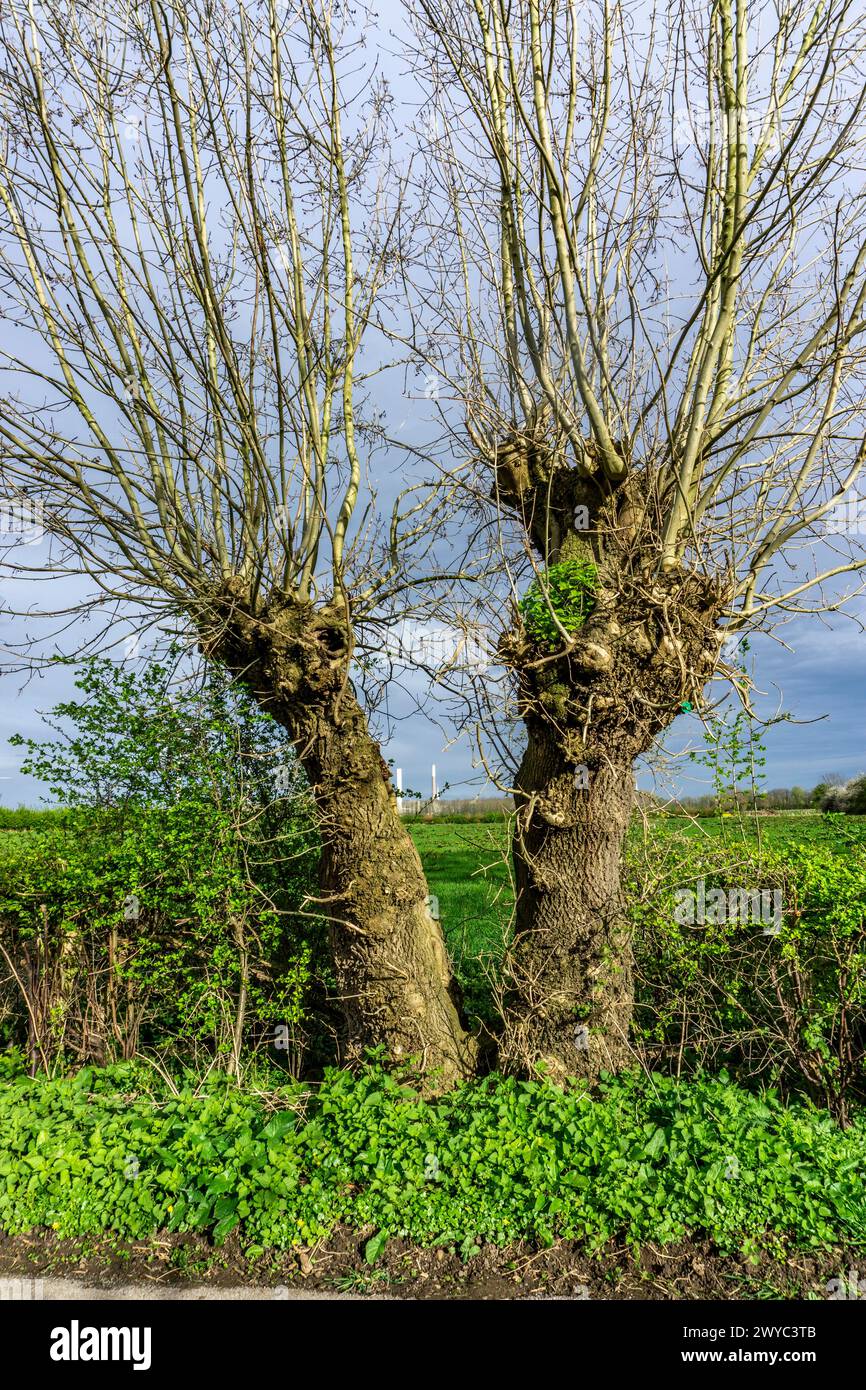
685	1271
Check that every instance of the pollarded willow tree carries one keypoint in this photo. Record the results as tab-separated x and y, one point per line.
196	232
654	318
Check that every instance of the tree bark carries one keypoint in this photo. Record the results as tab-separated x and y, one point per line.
393	975
394	979
570	998
592	699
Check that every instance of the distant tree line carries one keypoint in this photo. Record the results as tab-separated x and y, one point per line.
829	795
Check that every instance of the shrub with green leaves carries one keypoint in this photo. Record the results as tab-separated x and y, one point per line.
786	1007
649	1159
850	797
29	817
163	907
565	593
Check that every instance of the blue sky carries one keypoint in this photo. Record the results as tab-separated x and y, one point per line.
821	687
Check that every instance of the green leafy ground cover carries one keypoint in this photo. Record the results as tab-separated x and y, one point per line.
646	1160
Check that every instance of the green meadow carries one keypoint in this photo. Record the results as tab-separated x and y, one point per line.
468	872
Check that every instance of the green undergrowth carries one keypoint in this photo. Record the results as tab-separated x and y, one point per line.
644	1160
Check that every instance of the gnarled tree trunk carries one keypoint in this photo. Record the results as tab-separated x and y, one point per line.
571	995
591	703
393	975
394	980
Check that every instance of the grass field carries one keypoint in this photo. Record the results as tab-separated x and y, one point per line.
468	874
467	869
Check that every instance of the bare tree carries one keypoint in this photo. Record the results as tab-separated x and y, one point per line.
655	315
197	232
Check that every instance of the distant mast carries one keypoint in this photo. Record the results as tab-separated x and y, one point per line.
399	777
433	782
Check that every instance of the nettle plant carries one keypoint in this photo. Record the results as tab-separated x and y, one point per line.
559	602
163	909
733	751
